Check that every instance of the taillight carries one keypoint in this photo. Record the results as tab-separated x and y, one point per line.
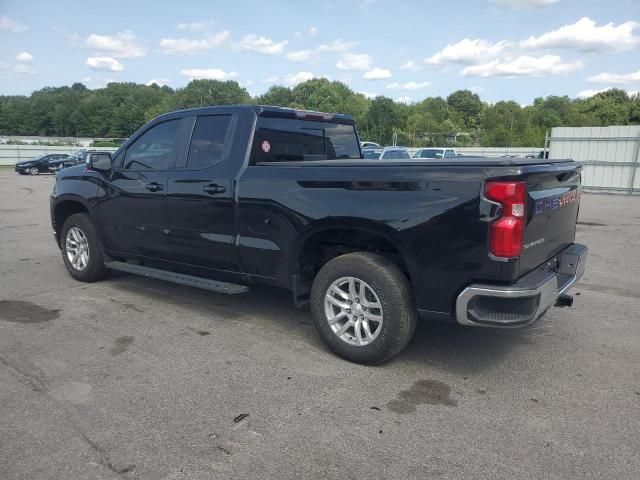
505	235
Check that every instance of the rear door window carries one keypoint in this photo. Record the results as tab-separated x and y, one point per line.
293	140
210	141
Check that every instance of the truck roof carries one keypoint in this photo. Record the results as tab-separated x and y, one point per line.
272	111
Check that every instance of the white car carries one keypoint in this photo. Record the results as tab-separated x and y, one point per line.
435	153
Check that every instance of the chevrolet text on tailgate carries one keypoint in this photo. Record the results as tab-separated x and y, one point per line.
225	197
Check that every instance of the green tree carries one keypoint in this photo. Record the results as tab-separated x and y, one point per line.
468	105
277	96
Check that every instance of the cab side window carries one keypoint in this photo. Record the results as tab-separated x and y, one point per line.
210	141
156	149
449	154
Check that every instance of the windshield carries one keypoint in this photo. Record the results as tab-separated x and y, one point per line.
75	155
395	155
430	153
371	154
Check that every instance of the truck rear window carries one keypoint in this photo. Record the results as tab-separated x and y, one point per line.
292	140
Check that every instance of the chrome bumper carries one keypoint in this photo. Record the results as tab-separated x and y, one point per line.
525	301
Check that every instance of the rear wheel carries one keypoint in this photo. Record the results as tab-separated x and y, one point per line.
363	308
81	250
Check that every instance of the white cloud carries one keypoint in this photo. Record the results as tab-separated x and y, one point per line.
377	74
369	94
591	92
522	66
297	78
161	82
188	46
105	63
354	61
620	79
408	86
94	83
24	57
410	65
10	25
311	33
271	79
522	4
404	99
207	73
299	55
195	26
468	51
121	45
23	68
476	89
264	45
586	36
336	46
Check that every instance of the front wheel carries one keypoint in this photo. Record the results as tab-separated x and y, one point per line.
363	308
81	249
34	171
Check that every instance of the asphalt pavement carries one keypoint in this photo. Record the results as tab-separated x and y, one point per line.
135	378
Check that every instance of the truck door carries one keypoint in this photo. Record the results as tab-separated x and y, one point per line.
133	212
200	200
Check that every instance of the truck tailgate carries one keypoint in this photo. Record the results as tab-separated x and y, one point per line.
552	210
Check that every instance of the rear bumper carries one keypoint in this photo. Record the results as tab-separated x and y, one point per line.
525	301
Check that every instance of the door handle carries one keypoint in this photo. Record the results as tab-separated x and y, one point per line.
213	189
153	187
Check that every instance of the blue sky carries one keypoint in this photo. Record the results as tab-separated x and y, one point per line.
502	49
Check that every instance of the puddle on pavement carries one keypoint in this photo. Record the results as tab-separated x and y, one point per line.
422	392
121	345
19	311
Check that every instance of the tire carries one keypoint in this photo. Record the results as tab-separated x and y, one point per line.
34	171
384	285
84	235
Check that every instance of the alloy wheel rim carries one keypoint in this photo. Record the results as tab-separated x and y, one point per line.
353	311
77	248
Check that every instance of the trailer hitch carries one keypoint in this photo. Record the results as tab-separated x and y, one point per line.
564	300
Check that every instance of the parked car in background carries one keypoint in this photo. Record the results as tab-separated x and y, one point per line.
37	165
371	153
395	153
77	157
435	153
369	145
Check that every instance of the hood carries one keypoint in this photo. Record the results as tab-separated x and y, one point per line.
73	171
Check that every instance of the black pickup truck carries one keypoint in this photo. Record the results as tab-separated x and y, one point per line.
225	197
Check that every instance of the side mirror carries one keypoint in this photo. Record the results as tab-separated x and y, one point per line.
100	162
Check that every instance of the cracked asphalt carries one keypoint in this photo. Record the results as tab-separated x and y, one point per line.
135	378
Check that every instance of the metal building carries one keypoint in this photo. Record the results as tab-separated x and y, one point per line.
609	154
